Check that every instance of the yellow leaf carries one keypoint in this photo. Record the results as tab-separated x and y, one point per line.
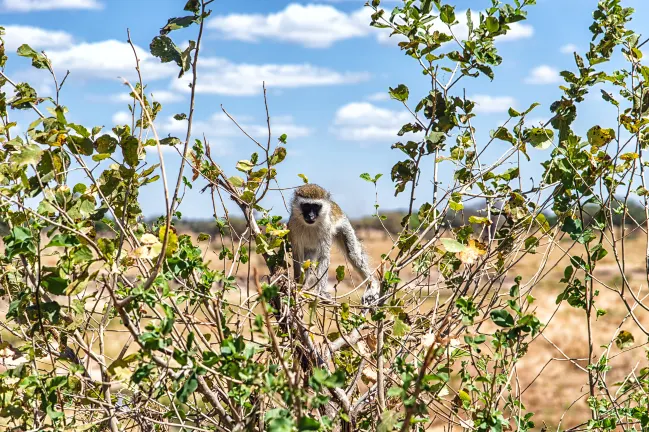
599	137
473	251
60	140
277	232
629	156
149	239
119	369
141	252
172	242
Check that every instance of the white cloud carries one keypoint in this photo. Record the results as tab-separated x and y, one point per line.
220	130
379	96
312	25
536	121
45	5
517	31
109	59
45	89
219	125
492	104
162	96
220	76
568	48
320	26
543	74
122	118
35	37
363	121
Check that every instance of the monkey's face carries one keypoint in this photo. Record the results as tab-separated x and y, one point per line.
310	212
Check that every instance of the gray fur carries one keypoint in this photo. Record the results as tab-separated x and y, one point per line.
314	242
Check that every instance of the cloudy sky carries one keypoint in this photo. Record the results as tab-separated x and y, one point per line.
327	73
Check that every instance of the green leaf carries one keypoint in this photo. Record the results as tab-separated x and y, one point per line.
189	386
503	134
366	177
278	155
55	284
38	60
502	318
245	165
308	424
81	130
179	23
80	145
598	252
452	245
400	328
624	340
531	243
106	144
492	24
130	150
510	174
236	181
63	240
447	14
166	50
82	254
281	424
51	311
100	156
28	155
172	141
340	273
193	6
540	138
399	93
24	98
304	178
282	138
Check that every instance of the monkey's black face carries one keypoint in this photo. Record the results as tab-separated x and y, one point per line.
310	212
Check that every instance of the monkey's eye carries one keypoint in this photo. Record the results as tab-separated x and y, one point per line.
310	212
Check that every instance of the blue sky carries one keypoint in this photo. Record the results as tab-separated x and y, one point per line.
327	72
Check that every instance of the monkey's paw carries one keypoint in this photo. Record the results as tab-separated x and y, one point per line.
371	295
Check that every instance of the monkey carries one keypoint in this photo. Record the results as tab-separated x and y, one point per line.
315	224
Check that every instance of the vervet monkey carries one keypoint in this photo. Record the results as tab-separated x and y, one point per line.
315	224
